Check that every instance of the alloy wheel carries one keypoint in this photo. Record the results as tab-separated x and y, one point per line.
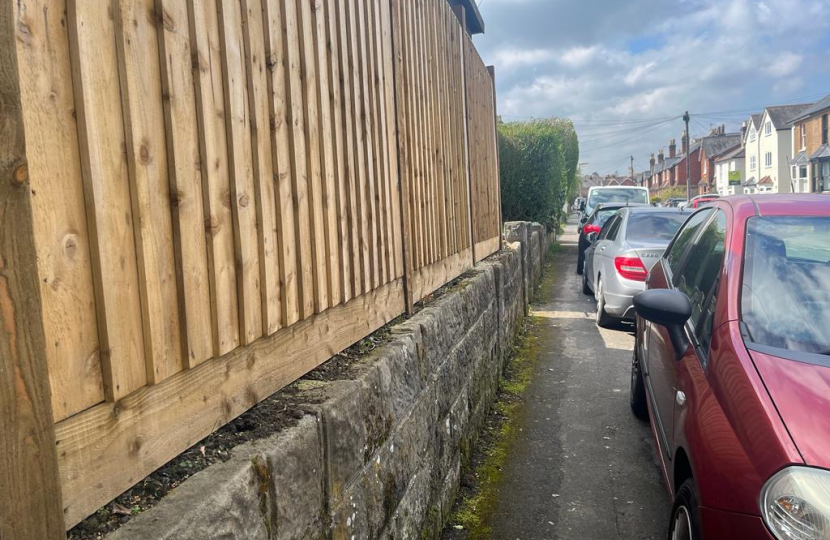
682	525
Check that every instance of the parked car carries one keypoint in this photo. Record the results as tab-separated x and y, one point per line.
702	200
615	195
593	222
674	201
620	256
731	365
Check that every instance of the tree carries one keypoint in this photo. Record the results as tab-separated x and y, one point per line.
539	169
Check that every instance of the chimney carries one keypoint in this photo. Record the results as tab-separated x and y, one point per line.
723	129
651	162
685	142
743	131
660	156
672	148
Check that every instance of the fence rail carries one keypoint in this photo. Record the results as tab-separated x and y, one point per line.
222	195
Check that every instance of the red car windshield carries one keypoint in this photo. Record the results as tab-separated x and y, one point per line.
785	296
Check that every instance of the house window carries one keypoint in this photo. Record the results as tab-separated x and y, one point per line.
768	159
753	163
795	171
802	173
824	129
803	135
752	134
768	128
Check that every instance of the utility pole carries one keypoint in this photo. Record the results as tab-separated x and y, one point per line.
632	169
686	119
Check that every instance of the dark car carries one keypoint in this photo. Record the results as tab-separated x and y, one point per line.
593	222
732	365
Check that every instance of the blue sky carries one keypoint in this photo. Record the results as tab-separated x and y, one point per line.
626	70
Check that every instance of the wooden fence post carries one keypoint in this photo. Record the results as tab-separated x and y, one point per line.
461	13
403	153
30	493
492	71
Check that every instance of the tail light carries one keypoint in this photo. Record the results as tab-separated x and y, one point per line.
588	229
631	268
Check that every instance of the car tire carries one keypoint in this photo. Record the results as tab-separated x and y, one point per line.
585	288
685	521
637	394
580	262
604	320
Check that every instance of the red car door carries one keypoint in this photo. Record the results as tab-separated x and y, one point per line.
659	355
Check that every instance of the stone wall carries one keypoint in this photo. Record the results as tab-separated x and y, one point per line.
379	455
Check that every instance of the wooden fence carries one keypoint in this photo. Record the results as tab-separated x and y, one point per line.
205	199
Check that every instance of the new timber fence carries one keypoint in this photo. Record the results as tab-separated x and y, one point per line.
203	200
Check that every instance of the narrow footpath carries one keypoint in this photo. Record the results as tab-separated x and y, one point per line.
582	466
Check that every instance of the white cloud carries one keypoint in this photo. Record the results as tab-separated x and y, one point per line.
576	59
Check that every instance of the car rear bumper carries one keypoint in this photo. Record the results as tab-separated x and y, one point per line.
619	297
720	525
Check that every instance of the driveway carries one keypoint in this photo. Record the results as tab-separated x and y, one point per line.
582	467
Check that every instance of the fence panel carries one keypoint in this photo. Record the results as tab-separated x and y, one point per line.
430	104
225	193
484	172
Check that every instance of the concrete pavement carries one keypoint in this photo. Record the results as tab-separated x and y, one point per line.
582	466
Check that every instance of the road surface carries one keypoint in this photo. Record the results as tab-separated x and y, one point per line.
582	467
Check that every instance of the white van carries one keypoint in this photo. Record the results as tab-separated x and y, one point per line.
616	194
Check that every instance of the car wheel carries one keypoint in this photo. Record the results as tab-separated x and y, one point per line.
685	522
585	288
603	319
637	394
580	262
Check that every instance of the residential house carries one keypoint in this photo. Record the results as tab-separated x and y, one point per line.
774	153
752	150
678	172
810	168
730	172
715	145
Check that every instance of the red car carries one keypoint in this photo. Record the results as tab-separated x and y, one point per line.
702	200
732	365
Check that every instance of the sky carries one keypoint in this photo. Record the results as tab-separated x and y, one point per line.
626	70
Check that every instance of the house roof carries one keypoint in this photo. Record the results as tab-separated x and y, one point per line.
756	119
800	159
718	144
738	152
822	152
818	106
750	182
780	115
475	24
765	181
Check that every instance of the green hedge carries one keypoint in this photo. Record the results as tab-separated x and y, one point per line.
539	169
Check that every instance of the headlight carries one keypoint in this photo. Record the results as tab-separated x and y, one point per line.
795	504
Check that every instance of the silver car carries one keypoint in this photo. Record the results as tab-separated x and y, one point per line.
620	256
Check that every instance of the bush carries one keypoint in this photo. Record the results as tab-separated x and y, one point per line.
539	173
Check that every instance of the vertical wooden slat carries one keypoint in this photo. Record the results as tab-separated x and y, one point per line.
139	72
437	96
278	97
401	98
461	14
389	109
213	165
306	259
416	121
60	228
263	166
329	195
365	127
351	180
361	168
182	137
30	491
107	196
240	166
373	116
339	161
